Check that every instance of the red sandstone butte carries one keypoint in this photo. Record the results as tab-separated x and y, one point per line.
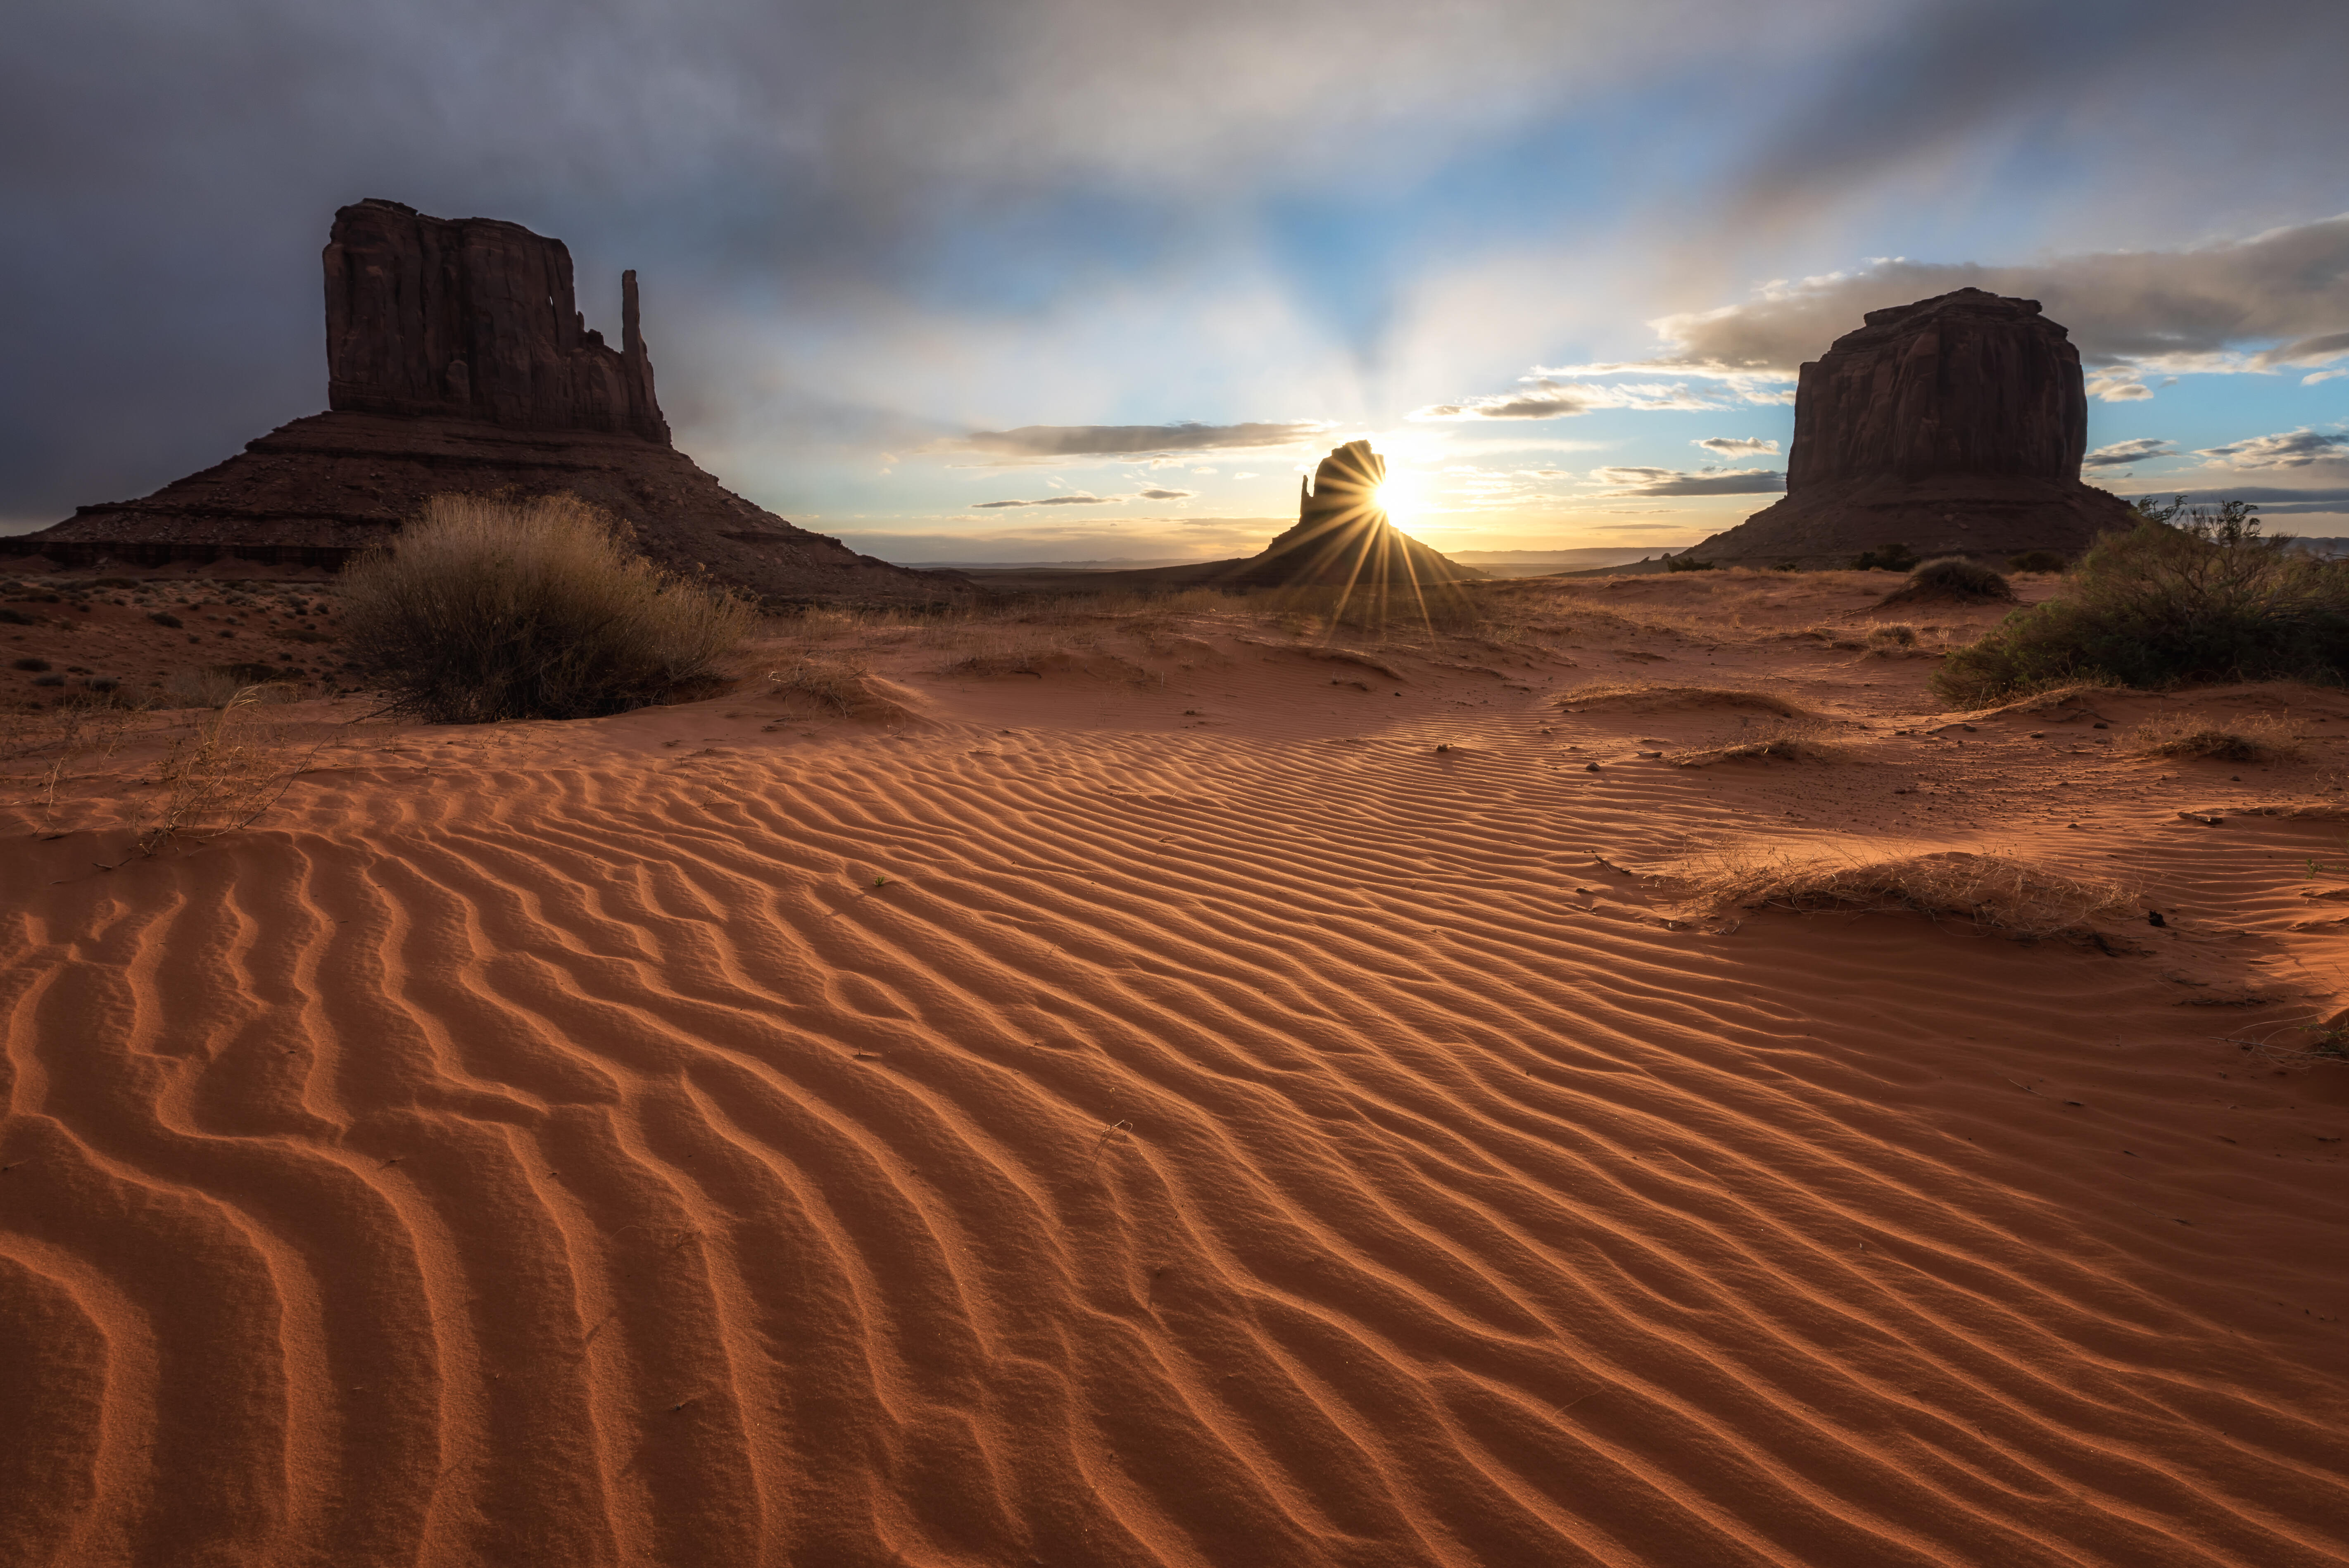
458	360
1954	425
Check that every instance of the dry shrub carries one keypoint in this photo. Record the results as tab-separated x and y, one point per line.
1792	740
1655	694
1005	653
835	684
2190	593
2258	738
841	686
1894	633
216	686
1953	578
1995	892
235	767
492	609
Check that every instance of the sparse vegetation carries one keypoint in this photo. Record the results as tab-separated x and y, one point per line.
1654	694
2190	593
1995	893
493	610
1788	739
2258	738
1688	564
1951	579
1885	558
1894	635
2036	561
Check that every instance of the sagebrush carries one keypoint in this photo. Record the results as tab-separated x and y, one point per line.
489	609
2190	593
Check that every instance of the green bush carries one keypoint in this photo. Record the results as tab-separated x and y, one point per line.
1889	558
2188	595
1688	564
490	610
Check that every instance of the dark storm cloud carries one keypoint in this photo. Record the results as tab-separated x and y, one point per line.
834	171
1041	441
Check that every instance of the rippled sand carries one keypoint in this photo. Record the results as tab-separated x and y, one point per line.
1034	1123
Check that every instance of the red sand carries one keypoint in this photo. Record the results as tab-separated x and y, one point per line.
1241	1138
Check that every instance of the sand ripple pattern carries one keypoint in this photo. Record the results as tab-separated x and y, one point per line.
1120	1151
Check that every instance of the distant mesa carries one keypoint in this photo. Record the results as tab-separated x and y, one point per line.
1955	426
458	360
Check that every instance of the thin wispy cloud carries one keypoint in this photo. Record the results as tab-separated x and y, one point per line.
1673	482
2286	449
2121	454
1543	397
1031	443
1085	498
1738	446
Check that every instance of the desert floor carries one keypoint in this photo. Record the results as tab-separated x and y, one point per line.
1167	1086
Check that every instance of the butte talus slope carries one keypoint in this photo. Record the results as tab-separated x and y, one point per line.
1955	426
458	360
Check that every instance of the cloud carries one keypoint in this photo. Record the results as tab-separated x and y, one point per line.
2120	454
1074	498
1545	397
2271	500
1671	481
2202	308
1086	497
2119	386
1031	442
1738	446
2288	449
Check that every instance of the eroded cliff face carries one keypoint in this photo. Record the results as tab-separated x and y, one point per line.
1964	383
1953	425
474	319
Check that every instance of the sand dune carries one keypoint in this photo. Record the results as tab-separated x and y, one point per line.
1051	1126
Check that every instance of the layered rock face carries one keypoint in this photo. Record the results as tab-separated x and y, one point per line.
472	319
1954	425
1342	537
459	362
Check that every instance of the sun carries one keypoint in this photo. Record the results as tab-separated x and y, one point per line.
1397	496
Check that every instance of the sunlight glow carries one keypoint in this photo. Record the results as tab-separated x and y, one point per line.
1398	496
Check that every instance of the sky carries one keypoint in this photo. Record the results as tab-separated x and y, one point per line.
1083	279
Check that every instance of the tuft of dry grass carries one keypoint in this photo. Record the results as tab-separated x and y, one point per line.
2263	737
1894	633
1995	892
1790	739
1657	693
225	776
842	686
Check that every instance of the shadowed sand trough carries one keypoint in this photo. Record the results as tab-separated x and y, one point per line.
1064	1129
